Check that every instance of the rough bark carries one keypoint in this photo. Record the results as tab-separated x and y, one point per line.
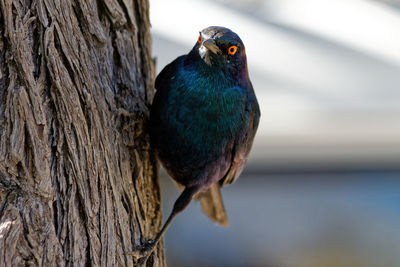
78	181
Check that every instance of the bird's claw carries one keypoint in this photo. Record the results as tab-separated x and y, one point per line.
141	253
123	112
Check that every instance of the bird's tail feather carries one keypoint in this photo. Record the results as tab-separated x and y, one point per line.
213	206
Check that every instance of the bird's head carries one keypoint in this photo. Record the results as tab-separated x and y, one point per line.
220	47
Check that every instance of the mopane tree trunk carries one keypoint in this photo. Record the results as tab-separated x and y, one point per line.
78	181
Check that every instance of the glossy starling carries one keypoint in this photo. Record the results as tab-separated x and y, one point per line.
203	121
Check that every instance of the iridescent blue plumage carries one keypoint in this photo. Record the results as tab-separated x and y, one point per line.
204	118
204	114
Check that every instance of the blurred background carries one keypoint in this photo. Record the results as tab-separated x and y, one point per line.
322	186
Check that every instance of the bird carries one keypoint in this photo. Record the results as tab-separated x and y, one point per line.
203	121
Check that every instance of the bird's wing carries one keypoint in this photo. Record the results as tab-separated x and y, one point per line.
211	199
242	147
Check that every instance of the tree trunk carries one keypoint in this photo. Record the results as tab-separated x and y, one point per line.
78	181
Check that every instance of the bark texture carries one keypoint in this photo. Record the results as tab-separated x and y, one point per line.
78	181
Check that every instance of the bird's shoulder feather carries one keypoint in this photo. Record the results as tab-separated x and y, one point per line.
167	72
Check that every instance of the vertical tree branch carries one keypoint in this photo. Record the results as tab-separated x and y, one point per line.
78	181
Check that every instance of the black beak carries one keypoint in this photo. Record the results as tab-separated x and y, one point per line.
211	46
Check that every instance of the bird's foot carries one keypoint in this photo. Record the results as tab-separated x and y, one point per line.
123	112
132	124
141	253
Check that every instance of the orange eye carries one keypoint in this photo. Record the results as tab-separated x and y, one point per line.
232	50
199	39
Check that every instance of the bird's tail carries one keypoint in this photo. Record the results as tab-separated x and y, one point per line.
213	206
